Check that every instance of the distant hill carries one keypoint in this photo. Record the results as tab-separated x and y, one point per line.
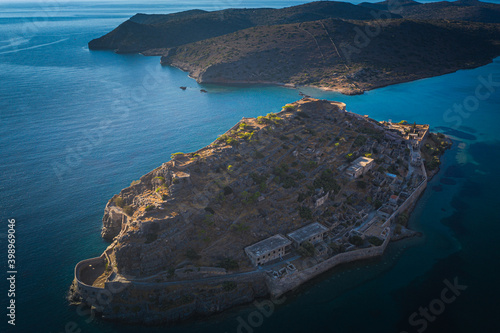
148	32
324	53
332	45
464	10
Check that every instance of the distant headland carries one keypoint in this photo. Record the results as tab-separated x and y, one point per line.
326	44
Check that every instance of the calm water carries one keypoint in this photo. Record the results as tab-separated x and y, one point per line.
78	126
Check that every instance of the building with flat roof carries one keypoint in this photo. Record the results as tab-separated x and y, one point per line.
360	166
268	249
311	233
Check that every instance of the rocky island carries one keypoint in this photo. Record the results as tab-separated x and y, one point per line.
326	44
270	204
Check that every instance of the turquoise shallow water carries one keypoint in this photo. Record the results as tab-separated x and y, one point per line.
77	126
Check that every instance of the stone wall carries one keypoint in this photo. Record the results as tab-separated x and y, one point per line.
408	203
88	293
279	286
154	303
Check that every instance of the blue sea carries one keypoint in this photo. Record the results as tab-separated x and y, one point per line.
77	126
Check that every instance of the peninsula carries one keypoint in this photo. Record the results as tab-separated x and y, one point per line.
326	44
270	204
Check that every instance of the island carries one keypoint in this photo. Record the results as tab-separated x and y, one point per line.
325	44
270	204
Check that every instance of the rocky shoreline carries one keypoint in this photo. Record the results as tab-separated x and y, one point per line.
178	233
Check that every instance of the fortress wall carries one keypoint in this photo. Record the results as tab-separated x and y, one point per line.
154	303
408	203
88	293
289	282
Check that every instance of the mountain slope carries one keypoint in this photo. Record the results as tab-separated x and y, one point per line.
148	32
334	54
464	10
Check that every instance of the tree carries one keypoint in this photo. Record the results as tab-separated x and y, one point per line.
306	249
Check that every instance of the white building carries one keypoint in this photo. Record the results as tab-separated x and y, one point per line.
268	249
359	167
312	233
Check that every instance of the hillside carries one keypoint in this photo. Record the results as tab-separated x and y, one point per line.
145	33
333	54
464	10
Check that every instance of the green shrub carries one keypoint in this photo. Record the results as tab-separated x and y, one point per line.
232	141
176	154
289	182
327	181
258	178
119	202
191	254
310	131
337	248
243	126
228	285
246	136
306	250
359	141
356	240
302	196
375	241
128	210
151	237
305	212
350	157
240	227
310	165
228	263
149	208
259	155
361	184
269	119
227	190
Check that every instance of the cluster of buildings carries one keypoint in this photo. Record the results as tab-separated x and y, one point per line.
415	134
277	246
388	188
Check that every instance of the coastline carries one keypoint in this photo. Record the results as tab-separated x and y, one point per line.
342	89
248	284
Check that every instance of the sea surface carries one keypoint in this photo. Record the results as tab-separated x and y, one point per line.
78	126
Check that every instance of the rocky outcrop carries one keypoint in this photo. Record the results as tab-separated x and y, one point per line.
112	221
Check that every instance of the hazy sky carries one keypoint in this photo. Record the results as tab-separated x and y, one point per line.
227	2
